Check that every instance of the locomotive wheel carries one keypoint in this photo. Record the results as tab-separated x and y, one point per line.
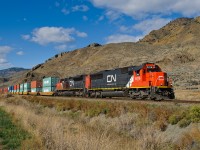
158	98
87	95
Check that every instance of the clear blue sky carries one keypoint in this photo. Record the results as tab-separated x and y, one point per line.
31	31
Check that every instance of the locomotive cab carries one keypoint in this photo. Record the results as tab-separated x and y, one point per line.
150	80
156	76
150	75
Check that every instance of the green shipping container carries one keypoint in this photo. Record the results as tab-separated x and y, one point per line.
50	81
48	89
27	85
21	88
36	90
27	90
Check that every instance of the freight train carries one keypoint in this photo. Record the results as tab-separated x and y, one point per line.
146	81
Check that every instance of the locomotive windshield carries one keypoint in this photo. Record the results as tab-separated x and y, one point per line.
153	69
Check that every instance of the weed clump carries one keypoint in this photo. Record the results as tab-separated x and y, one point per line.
194	114
184	123
174	119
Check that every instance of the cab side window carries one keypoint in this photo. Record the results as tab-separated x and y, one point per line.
138	73
144	71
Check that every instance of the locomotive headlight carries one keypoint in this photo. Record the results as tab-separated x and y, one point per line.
160	78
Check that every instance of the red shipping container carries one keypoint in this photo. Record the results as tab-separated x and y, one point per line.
6	90
36	84
15	87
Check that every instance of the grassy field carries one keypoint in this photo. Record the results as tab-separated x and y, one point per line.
91	125
11	135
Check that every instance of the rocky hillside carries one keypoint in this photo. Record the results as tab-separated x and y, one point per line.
179	31
175	47
11	71
12	75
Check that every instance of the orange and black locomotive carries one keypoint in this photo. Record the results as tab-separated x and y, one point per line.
138	82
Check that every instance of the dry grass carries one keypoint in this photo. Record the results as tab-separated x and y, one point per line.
110	109
190	139
187	95
91	125
54	132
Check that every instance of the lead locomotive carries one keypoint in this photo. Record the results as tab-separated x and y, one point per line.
138	82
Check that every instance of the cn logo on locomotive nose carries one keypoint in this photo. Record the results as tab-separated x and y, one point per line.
71	83
111	78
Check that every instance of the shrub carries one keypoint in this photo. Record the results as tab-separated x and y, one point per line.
74	115
93	112
60	107
184	118
174	119
105	111
194	114
184	123
161	125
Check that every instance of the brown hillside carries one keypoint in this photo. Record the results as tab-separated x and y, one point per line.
179	31
93	59
175	47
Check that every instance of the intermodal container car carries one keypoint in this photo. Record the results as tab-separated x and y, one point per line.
36	90
21	87
18	87
48	89
6	90
50	81
36	84
27	87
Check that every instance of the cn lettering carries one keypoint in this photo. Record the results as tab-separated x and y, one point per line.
111	78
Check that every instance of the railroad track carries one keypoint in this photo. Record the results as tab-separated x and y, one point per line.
120	99
184	101
172	101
